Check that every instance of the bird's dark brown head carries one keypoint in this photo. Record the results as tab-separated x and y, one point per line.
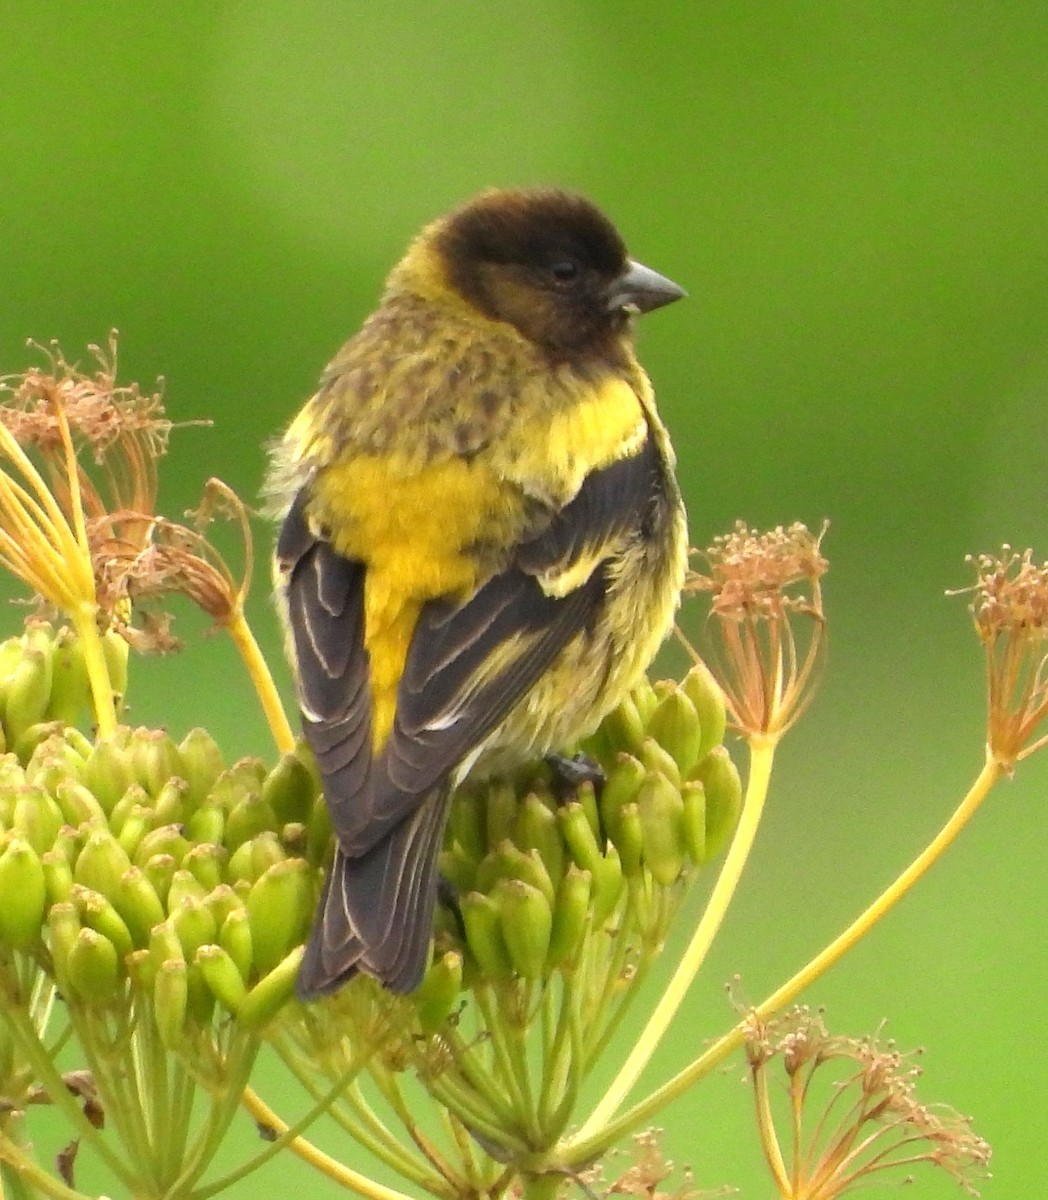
552	265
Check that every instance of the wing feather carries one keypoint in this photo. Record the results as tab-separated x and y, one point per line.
325	605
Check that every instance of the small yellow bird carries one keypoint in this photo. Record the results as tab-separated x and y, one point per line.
483	544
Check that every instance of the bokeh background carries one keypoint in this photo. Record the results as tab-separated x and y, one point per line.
854	195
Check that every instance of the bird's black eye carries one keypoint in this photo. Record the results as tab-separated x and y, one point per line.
564	270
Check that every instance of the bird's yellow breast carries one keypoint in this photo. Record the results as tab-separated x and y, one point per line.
418	525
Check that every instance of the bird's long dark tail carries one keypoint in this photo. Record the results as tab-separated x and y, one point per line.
376	911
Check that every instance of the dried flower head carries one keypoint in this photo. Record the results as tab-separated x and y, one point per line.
135	574
99	445
767	610
1010	610
121	430
870	1120
647	1174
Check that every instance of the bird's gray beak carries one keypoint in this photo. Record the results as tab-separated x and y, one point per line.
640	289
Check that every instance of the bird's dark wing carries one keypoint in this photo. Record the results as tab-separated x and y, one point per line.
324	593
470	663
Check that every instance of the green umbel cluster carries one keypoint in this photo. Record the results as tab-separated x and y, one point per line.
44	683
541	868
140	865
164	896
561	898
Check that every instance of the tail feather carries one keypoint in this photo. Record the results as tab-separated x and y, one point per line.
376	911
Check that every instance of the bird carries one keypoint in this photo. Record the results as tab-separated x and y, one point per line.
482	545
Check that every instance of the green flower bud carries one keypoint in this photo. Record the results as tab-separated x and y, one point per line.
101	862
26	691
10	656
693	820
184	887
265	1000
93	968
207	824
661	819
290	790
586	796
280	906
206	862
482	920
58	876
234	783
165	944
138	904
109	773
506	861
154	758
294	838
705	693
266	852
70	687
251	860
47	753
675	726
134	828
200	764
467	822
645	698
630	840
624	727
250	816
135	797
319	833
234	937
608	886
159	870
97	912
63	928
77	803
167	840
571	914
36	817
527	921
222	900
169	807
170	1000
78	743
660	761
501	813
718	775
537	830
579	836
436	995
194	923
458	868
621	786
222	976
141	970
115	651
23	895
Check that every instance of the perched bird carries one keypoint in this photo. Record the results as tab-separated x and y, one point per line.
483	544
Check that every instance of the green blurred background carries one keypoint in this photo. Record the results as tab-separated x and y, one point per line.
854	195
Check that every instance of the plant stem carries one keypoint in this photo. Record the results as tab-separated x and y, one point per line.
262	679
84	622
593	1141
21	1178
351	1180
762	754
